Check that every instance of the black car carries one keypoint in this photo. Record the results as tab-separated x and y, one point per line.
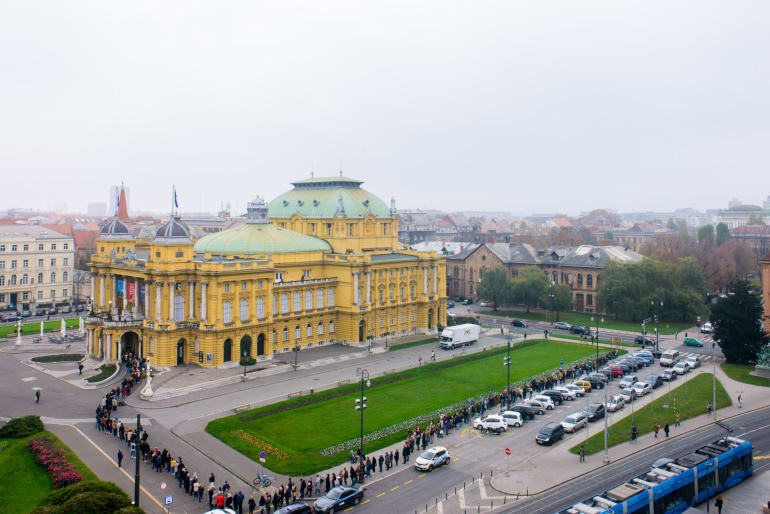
625	368
39	311
450	304
550	433
519	323
578	329
527	412
595	411
599	376
295	508
644	341
556	396
654	380
81	307
12	316
338	498
53	310
640	363
668	375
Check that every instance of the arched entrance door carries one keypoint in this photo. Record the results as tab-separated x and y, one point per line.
245	346
129	344
430	318
261	344
361	331
180	351
228	350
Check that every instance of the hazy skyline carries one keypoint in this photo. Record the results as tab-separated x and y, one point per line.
504	106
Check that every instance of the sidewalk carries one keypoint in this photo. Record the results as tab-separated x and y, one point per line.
557	465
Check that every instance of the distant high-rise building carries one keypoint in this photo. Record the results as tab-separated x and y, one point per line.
113	198
734	203
97	209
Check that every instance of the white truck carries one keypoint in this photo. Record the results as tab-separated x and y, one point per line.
459	335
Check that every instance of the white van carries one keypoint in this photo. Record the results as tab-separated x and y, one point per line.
459	335
669	358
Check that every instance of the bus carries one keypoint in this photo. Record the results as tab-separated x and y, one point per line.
676	484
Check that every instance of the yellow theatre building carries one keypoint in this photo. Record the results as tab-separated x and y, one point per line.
320	264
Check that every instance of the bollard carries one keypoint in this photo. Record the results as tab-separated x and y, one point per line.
463	485
490	473
436	502
446	496
505	500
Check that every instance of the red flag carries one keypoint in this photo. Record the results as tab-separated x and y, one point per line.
130	292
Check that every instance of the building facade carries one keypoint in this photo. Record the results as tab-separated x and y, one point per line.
321	264
36	267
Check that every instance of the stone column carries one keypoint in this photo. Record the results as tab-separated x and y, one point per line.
90	341
368	288
204	305
356	296
171	294
93	289
146	292
191	291
101	291
425	280
435	279
114	292
136	297
158	292
108	349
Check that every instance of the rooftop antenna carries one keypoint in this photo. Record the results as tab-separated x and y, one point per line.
340	173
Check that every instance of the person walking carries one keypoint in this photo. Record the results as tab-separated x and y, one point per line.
719	503
656	428
666	429
709	407
380	461
433	358
120	457
740	401
582	453
37	395
676	419
80	368
419	360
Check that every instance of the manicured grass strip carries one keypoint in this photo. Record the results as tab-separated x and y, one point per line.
62	357
4	445
395	347
601	340
579	318
23	483
106	372
300	428
740	372
690	400
33	327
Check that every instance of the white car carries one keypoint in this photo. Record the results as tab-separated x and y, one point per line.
545	400
628	381
680	368
692	362
615	403
568	393
579	391
513	418
537	405
642	388
483	304
431	458
706	328
491	423
575	421
628	394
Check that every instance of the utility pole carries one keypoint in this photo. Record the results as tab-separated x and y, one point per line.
138	458
606	455
507	364
714	359
360	406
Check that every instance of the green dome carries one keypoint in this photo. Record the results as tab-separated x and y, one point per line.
259	238
327	197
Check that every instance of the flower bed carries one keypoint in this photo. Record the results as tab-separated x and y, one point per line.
61	471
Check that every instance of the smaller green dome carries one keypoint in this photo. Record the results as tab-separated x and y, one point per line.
259	238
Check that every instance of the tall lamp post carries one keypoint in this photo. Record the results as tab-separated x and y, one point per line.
363	373
296	353
597	340
243	359
659	304
714	387
507	364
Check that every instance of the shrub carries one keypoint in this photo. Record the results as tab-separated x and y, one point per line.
90	503
61	471
130	510
22	427
248	361
59	496
459	320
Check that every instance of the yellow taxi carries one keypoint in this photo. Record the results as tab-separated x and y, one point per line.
586	385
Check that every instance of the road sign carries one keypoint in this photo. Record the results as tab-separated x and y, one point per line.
507	451
169	500
562	362
262	456
162	486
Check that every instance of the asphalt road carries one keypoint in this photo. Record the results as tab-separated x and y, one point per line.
751	425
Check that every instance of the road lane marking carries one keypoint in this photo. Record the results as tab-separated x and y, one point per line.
365	502
408	482
381	494
760	457
394	488
421	476
349	508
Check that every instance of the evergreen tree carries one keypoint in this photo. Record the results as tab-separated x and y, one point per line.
723	234
737	324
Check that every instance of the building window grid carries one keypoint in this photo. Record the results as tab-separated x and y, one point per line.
244	310
330	298
297	302
260	308
284	303
309	300
226	312
319	299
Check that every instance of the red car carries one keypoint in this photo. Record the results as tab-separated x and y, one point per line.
616	371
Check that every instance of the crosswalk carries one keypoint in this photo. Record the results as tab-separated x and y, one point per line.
473	497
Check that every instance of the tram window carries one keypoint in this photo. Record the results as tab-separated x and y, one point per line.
675	498
643	510
732	469
706	481
746	463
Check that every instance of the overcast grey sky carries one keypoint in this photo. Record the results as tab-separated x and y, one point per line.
509	105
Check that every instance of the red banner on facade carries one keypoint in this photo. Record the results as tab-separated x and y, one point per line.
131	292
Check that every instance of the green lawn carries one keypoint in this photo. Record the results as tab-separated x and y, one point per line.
601	340
106	371
61	357
294	431
690	400
421	342
740	372
23	482
580	318
34	327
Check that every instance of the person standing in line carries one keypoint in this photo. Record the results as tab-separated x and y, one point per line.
719	503
582	453
666	429
676	419
37	395
433	358
120	457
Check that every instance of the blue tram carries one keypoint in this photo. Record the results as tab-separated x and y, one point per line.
676	484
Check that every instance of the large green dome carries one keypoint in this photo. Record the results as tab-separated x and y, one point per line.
261	238
326	197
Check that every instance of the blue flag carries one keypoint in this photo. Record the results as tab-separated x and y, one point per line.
176	204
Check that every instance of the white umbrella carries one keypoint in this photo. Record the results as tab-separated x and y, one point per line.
63	328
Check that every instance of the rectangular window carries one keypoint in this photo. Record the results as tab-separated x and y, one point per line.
319	299
26	248
67	261
259	284
53	262
275	304
226	312
392	320
328	231
312	228
13	264
40	247
2	248
350	229
297	301
331	327
25	295
384	229
177	255
411	291
402	293
53	277
64	276
279	276
244	310
391	295
330	297
25	263
380	295
382	322
53	246
66	246
309	300
243	285
260	308
403	319
2	296
413	317
284	303
40	263
40	295
309	330
285	334
13	248
2	264
275	337
53	293
64	292
227	287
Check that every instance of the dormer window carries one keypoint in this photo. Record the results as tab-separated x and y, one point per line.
300	203
315	203
278	276
285	203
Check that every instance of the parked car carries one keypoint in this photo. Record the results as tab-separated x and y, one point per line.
632	364
431	458
585	384
574	422
693	362
567	393
492	305
615	403
624	367
629	381
654	380
615	371
562	325
519	323
294	508
597	381
539	407
668	375
483	303
545	400
550	433
53	310
66	309
39	311
81	307
706	328
450	304
26	313
680	368
491	423
578	389
527	411
645	355
691	341
556	396
338	498
12	316
467	301
579	329
513	418
628	394
642	388
644	341
595	411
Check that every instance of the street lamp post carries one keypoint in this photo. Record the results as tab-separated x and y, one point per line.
507	364
659	304
243	359
606	454
361	406
296	353
714	387
597	340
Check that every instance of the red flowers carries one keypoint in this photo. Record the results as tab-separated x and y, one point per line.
54	461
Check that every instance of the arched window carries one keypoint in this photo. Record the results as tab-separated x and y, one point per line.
13	280
53	277
244	310
64	276
297	332
285	333
179	308
260	308
331	327
589	282
309	330
580	280
226	312
39	278
24	279
308	300
320	328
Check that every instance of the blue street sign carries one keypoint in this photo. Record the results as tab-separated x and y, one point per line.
169	500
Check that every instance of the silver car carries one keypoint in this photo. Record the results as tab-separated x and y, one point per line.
575	421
